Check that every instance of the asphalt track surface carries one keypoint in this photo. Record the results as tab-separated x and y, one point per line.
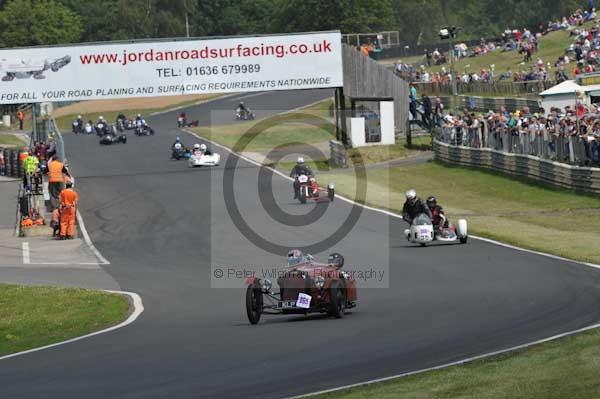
161	226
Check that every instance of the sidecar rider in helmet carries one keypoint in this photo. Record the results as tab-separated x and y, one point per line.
299	169
197	150
177	141
205	149
437	215
413	207
176	147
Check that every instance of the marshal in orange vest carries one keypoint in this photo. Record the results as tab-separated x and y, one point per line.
55	172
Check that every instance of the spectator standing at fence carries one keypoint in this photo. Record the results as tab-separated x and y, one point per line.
56	178
438	111
41	151
427	108
21	118
2	164
68	210
428	57
412	96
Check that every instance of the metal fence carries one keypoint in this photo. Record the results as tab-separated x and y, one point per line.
498	88
54	132
567	149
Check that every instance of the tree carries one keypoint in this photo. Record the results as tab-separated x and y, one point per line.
41	22
100	19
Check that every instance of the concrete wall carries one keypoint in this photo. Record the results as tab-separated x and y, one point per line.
544	171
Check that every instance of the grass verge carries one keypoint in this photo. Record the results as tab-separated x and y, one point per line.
31	317
566	368
310	125
512	211
10	140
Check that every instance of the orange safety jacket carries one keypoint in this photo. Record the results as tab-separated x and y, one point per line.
68	198
55	172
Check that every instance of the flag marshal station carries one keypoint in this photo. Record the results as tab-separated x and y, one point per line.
144	69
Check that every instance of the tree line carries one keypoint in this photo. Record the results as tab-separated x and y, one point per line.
47	22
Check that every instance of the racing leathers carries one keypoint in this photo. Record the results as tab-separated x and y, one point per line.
177	149
438	218
414	208
297	170
300	169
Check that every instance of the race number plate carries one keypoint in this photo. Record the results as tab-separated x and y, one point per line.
303	301
287	304
423	231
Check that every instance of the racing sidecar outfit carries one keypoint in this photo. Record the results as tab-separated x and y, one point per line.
411	210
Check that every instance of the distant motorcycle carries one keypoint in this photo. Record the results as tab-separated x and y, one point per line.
183	122
120	125
101	129
77	127
109	139
144	130
244	114
179	152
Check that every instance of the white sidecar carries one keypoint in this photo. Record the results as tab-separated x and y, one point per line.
204	160
422	232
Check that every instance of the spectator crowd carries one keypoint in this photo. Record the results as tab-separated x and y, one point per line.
568	136
584	54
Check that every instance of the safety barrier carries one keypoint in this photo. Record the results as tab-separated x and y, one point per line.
52	130
498	88
574	150
12	166
338	156
586	179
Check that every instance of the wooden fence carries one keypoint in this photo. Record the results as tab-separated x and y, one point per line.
365	78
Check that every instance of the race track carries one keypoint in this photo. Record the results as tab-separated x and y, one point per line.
161	225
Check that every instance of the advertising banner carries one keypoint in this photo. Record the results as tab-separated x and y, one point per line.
149	69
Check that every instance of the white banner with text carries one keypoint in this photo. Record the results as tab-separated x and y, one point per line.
149	69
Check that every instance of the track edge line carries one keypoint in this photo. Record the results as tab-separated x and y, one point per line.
447	365
138	309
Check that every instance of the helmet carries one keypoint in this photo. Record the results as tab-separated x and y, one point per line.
101	118
203	147
177	139
78	116
241	103
294	257
411	195
336	259
431	202
196	146
300	160
139	115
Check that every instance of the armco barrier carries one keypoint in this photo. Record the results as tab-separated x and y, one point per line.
552	173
